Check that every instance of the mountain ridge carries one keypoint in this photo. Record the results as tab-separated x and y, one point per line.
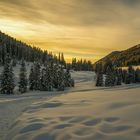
130	56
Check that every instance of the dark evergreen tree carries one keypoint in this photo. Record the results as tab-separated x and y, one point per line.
110	77
14	61
124	74
131	73
37	75
61	82
44	80
99	79
47	78
63	60
55	75
7	84
67	78
50	77
23	78
127	78
31	79
130	76
137	75
118	76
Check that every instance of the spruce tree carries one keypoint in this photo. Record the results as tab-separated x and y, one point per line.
14	61
124	74
31	79
37	72
44	81
61	82
23	78
131	73
50	77
7	84
99	80
127	78
137	75
55	75
47	78
35	76
67	78
110	77
118	77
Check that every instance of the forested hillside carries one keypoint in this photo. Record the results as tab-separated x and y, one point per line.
48	72
19	50
127	57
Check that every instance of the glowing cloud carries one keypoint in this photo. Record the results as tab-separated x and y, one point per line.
81	28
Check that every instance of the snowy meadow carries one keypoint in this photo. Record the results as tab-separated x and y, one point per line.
85	112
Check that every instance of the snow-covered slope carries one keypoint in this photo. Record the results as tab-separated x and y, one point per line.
82	113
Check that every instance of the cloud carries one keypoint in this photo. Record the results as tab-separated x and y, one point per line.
73	26
70	12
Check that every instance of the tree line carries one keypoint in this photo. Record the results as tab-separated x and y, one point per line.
80	65
112	75
47	77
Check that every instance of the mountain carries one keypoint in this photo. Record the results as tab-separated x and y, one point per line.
127	57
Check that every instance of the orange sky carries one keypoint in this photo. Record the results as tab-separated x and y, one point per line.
80	28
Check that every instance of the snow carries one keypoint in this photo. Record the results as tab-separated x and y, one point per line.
135	67
84	112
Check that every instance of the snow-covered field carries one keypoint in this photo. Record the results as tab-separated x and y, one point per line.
81	113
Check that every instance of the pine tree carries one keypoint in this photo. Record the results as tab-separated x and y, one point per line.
36	78
124	74
118	76
127	78
67	78
47	78
99	81
50	77
61	82
137	75
131	73
63	60
110	77
44	81
14	61
55	75
7	84
31	79
23	78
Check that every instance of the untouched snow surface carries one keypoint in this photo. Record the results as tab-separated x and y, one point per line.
81	113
